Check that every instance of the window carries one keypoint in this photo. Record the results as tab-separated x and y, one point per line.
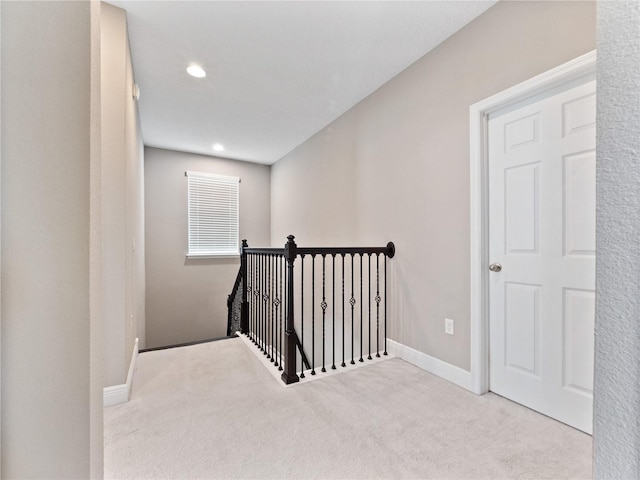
213	204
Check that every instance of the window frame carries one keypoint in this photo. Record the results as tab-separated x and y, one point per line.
217	186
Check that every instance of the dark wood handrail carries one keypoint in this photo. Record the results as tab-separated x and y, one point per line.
389	250
265	251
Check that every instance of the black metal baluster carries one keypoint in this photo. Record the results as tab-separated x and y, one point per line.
272	296
343	364
265	313
267	305
256	293
333	306
259	301
378	305
253	303
256	289
282	306
276	318
260	271
256	297
385	304
256	300
249	294
361	309
260	318
270	307
270	304
275	310
313	314
352	302
302	313
323	305
369	282
276	303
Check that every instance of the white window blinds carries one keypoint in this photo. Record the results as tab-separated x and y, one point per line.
213	203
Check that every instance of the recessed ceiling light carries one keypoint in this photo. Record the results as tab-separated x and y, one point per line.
196	71
218	147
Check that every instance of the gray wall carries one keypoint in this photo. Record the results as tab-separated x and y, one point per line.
396	166
122	200
187	299
51	372
0	244
616	429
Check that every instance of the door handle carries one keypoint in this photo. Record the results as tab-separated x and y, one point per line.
495	267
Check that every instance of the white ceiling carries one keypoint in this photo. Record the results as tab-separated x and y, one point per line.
278	72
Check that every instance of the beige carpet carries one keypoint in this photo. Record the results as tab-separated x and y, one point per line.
212	411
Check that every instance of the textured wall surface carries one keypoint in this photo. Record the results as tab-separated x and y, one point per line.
123	200
0	241
617	362
187	298
396	166
51	427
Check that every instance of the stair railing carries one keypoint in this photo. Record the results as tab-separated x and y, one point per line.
234	305
273	310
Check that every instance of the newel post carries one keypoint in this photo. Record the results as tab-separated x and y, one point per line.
244	309
289	375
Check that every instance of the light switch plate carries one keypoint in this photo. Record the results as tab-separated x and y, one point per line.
448	326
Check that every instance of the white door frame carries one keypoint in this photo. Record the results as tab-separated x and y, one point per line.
479	113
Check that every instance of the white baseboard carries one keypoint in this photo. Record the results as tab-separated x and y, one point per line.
115	395
433	365
121	393
132	368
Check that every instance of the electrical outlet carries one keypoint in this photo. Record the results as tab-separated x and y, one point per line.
448	326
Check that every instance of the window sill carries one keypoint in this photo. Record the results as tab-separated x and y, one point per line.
201	256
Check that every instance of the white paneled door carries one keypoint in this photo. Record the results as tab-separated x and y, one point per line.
542	252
